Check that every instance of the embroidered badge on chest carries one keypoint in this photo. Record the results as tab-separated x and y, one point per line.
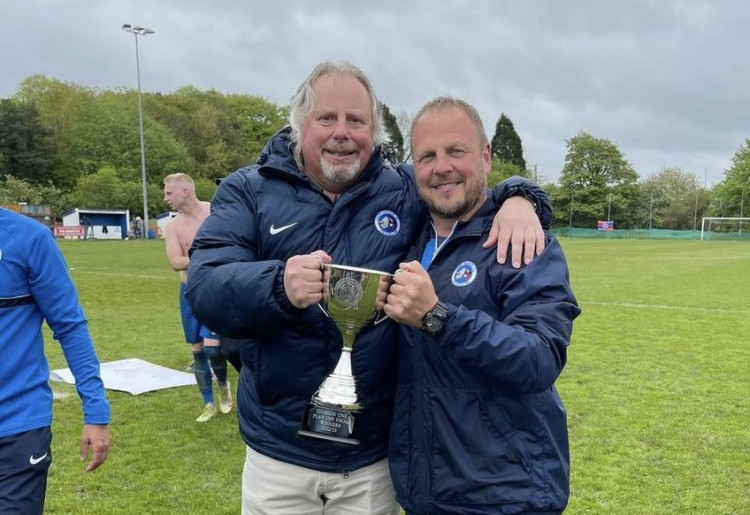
464	274
387	222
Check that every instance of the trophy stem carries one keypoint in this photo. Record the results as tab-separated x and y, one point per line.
339	388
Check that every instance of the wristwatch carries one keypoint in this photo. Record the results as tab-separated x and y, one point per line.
434	320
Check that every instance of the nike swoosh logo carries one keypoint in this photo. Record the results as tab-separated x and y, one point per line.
277	230
34	460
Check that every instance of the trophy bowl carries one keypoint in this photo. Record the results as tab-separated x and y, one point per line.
350	296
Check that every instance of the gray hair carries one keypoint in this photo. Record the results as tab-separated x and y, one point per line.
445	103
304	101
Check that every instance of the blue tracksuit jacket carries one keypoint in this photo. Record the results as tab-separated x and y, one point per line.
35	286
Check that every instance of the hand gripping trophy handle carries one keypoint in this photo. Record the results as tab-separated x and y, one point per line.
351	295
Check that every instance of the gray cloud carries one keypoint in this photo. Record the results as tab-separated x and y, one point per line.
664	80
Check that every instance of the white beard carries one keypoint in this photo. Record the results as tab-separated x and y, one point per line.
340	174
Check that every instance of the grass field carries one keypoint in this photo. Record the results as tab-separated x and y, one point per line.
657	386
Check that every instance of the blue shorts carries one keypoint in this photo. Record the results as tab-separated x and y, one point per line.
194	331
24	464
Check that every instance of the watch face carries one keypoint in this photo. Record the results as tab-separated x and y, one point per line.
435	319
434	323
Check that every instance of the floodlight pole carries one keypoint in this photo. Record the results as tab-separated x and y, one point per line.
140	31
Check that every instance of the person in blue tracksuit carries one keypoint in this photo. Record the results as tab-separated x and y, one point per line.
34	287
478	426
321	192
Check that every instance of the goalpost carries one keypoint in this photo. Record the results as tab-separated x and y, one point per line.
735	224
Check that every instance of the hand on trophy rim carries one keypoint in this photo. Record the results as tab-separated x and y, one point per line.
411	295
318	255
303	278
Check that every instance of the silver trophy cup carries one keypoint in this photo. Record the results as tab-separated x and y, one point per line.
350	297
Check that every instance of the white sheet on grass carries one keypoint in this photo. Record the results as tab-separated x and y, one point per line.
133	375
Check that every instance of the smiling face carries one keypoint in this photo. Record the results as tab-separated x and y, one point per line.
451	164
337	138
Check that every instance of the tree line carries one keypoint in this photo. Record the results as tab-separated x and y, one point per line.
68	145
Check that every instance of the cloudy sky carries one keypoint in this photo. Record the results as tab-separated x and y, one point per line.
665	80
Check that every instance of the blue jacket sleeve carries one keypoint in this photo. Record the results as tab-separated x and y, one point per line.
229	289
57	298
517	185
526	349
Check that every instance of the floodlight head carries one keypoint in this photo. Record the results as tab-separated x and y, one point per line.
136	29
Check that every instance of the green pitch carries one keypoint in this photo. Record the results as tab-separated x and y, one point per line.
656	386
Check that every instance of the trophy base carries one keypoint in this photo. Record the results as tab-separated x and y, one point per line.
329	423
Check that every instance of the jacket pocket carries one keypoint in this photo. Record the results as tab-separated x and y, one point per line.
476	457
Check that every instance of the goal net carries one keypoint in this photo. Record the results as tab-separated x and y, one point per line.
725	228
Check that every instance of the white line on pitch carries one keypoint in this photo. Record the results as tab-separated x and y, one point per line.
658	306
117	274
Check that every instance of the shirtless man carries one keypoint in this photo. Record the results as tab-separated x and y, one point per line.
179	193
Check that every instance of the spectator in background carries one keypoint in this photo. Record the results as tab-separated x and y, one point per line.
88	228
179	193
137	227
35	287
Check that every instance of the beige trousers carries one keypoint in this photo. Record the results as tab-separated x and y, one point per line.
273	487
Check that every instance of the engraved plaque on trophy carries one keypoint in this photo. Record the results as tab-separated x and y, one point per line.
350	299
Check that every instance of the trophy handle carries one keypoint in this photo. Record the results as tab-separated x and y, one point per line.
379	318
386	280
323	310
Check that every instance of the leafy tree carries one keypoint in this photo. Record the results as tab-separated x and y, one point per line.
100	190
14	190
394	149
59	105
404	119
25	147
732	195
672	199
506	144
221	132
599	182
501	170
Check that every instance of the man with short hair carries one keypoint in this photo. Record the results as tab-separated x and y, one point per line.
35	286
179	193
478	426
320	192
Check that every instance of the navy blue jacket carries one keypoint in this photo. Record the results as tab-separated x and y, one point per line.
261	216
478	425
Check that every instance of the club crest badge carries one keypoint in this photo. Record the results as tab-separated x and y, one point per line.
464	274
387	223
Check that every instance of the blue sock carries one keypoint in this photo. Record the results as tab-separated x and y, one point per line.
203	376
218	363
